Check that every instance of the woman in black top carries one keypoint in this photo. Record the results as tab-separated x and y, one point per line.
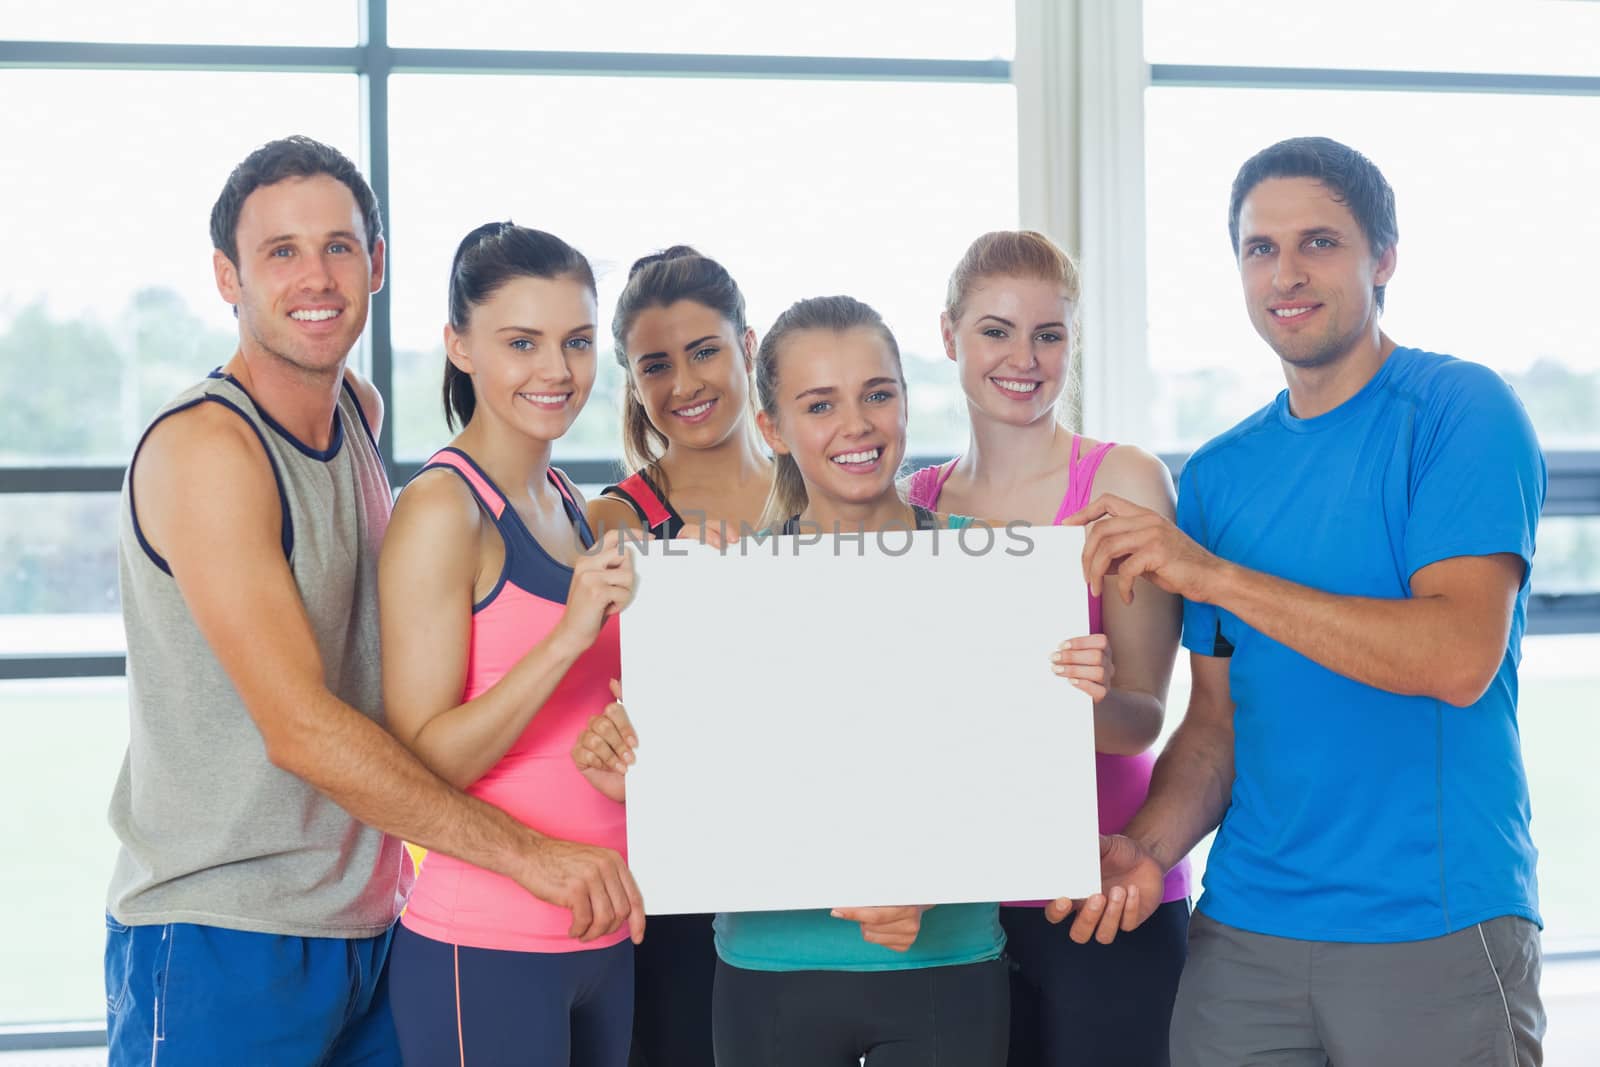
680	334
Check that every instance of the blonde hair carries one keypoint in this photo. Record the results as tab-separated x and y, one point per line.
837	314
1023	254
1010	254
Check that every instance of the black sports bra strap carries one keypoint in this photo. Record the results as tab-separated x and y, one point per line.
569	500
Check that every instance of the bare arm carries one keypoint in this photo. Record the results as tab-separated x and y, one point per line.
1445	641
202	481
1144	633
1193	780
1189	793
609	513
369	397
425	586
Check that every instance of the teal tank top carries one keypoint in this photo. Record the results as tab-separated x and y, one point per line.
814	940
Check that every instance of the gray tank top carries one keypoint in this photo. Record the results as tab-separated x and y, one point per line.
211	831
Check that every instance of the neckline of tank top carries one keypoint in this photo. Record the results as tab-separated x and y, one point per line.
323	455
1076	461
575	515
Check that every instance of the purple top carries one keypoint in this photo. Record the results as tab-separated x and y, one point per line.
1122	782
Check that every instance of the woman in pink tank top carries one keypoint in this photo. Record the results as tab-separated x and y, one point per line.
1009	327
499	642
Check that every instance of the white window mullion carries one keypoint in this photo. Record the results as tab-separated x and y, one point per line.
1080	77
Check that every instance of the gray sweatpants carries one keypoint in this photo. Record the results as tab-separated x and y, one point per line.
1469	998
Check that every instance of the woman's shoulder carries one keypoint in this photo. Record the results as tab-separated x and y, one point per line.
1135	474
438	500
434	532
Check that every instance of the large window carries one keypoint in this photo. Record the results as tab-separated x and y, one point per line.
932	29
800	187
844	148
64	740
838	146
113	307
1493	246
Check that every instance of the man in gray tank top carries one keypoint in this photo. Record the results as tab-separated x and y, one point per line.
261	804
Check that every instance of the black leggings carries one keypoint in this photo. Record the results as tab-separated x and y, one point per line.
1106	1005
672	973
921	1017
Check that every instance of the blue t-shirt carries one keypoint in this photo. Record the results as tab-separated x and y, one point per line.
1357	814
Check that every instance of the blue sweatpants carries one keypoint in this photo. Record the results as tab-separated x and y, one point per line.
454	1004
188	994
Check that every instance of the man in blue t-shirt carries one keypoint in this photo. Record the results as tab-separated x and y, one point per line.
1354	562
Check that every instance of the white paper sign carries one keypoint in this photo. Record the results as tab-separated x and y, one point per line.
859	722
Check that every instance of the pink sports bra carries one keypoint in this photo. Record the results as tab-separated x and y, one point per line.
536	780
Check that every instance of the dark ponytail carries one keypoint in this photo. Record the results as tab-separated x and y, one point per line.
487	258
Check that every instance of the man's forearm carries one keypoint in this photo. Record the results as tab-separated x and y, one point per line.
1190	790
1414	646
359	766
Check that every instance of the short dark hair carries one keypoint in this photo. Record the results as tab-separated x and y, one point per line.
292	157
486	259
1352	178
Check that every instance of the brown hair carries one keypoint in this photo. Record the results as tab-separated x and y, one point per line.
1021	254
485	260
661	279
276	161
834	313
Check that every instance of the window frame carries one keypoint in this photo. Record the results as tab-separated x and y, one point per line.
1574	487
1074	29
374	61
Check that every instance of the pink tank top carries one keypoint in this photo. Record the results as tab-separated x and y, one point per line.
1122	782
536	781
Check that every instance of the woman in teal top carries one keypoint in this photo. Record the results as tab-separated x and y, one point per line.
906	985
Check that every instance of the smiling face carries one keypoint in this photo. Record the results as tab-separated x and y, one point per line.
304	277
691	372
1308	271
529	348
840	414
1012	347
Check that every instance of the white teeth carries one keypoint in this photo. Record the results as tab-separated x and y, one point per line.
320	315
1289	313
544	398
697	410
1015	387
859	457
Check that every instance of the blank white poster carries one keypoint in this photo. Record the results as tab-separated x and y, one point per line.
859	722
